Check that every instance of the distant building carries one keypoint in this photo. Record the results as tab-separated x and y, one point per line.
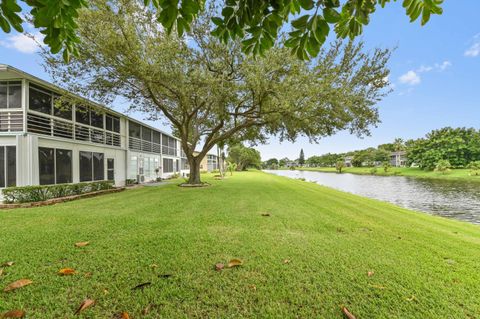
398	158
209	163
291	164
348	161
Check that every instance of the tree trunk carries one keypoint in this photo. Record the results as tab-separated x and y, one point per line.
194	177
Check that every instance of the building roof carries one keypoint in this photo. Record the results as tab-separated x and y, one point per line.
25	75
399	153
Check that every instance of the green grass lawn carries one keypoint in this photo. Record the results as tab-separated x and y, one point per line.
460	174
424	266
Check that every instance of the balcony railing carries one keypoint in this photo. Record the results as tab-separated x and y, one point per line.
65	129
136	144
168	150
11	121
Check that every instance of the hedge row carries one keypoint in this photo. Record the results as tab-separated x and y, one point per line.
28	194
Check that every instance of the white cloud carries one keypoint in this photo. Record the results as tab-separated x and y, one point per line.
436	67
410	78
443	66
424	68
474	49
23	43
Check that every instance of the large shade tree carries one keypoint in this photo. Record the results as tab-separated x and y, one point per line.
210	92
255	22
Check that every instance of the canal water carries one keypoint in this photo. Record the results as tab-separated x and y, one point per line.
452	199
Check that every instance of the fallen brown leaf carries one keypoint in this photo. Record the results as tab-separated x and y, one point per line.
370	273
146	310
253	287
219	266
412	298
124	315
84	305
66	271
18	284
14	314
141	286
8	264
347	313
234	263
82	244
88	274
286	261
153	266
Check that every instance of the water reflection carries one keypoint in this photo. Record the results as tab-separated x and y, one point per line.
453	199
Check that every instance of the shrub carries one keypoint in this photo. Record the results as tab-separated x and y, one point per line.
386	166
130	182
373	170
27	194
443	166
339	166
474	168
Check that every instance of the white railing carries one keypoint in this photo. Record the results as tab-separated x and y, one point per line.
65	129
11	121
136	144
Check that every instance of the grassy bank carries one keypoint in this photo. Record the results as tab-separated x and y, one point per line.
309	258
460	174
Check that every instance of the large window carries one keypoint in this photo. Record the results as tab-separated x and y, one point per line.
112	123
8	166
134	129
146	134
82	115
167	165
55	166
169	145
46	161
40	100
156	137
86	168
62	108
98	167
92	167
10	94
63	166
96	119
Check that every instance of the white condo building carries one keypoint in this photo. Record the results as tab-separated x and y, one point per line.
43	144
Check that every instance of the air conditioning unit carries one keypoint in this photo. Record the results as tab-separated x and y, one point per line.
140	178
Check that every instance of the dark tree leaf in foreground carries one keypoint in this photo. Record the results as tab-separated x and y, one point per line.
256	22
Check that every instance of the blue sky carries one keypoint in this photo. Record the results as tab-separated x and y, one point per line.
435	73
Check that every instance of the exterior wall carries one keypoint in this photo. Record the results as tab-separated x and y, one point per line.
28	162
118	155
